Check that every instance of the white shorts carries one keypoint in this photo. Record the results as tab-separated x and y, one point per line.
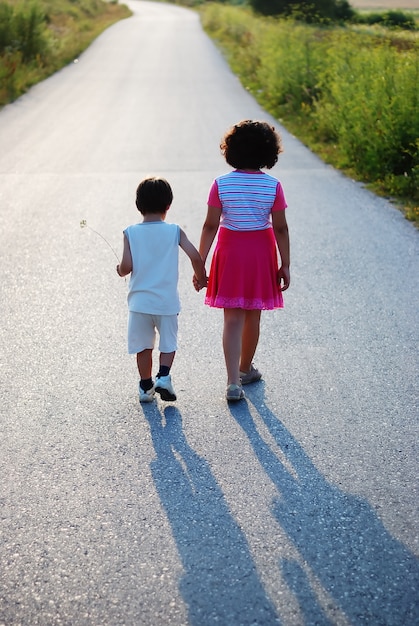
142	332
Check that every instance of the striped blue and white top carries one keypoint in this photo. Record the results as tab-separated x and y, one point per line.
247	199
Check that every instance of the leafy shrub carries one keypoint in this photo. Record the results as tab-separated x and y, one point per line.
398	19
305	10
39	37
290	81
22	28
239	35
369	105
6	30
388	19
352	94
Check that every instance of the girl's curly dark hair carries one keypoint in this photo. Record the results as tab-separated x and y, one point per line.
251	145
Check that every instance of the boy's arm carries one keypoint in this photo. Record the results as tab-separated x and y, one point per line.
209	230
195	257
280	227
125	266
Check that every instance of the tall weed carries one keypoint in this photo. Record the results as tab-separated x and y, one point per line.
39	37
352	94
23	29
291	61
239	36
369	106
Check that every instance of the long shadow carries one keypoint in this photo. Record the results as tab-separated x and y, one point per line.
296	578
372	577
220	584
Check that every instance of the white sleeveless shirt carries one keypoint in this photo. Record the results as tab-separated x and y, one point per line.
153	286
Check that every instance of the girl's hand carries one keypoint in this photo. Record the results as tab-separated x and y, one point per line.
197	285
283	278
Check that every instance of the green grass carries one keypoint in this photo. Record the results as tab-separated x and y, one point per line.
39	37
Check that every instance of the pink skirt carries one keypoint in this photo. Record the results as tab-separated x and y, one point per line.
244	271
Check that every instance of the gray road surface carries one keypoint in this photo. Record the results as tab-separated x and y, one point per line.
296	507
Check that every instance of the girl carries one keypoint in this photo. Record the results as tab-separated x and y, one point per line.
247	207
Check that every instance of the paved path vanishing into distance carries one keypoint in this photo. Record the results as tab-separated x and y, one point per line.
295	507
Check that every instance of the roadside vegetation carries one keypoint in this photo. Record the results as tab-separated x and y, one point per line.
345	82
39	37
348	88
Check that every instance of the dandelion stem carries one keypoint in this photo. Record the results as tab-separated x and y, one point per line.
84	224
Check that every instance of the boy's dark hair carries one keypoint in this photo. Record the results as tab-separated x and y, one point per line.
154	195
251	145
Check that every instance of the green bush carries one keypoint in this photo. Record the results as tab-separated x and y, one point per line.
238	34
23	29
369	106
388	19
398	19
306	10
289	82
351	96
39	37
6	29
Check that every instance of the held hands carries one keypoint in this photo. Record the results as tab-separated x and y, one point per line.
283	278
198	285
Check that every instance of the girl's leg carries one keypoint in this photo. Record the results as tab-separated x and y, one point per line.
232	343
250	338
145	363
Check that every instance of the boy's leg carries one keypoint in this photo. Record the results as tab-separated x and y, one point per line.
166	361
145	363
141	337
232	343
167	326
146	386
250	338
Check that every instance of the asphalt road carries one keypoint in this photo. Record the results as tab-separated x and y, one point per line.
295	507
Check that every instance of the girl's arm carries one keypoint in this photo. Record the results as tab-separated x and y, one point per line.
280	227
125	266
209	230
197	263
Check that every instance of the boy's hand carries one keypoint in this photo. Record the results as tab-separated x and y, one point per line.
198	286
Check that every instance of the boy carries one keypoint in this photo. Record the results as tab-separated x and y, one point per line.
151	254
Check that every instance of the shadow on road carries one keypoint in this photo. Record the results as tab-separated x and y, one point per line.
369	575
220	583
